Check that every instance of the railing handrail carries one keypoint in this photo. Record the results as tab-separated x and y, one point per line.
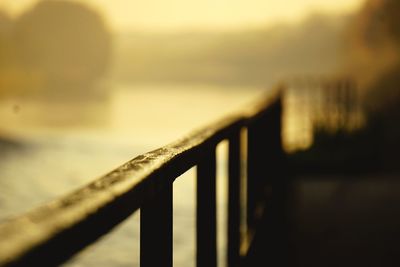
48	227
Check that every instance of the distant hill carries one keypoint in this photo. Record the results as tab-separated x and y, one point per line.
254	57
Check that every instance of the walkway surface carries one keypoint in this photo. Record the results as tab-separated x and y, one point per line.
338	221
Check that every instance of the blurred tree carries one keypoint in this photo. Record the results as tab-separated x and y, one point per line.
64	41
390	16
380	25
7	55
379	31
5	40
372	48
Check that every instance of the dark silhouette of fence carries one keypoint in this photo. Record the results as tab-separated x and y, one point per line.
53	233
330	205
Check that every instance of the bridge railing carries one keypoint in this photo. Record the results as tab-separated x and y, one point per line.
53	233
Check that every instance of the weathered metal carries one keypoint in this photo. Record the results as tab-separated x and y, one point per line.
234	199
52	233
156	230
206	214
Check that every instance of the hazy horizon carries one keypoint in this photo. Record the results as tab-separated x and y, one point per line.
183	16
255	57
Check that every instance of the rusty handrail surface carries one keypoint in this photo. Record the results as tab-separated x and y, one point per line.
50	226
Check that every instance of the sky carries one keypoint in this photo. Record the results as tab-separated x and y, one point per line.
182	15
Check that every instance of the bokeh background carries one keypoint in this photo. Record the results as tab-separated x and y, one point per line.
87	85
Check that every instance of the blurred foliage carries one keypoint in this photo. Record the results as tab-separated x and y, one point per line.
255	57
373	44
5	40
375	63
383	96
54	42
374	36
64	40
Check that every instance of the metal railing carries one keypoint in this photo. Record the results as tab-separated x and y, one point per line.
53	233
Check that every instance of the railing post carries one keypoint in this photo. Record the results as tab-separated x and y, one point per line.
256	169
156	230
265	161
234	198
268	182
206	211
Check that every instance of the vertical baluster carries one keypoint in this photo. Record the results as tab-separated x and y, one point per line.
264	161
234	200
269	183
206	212
250	178
256	168
156	230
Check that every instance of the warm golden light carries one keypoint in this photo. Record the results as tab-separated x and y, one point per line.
86	85
160	15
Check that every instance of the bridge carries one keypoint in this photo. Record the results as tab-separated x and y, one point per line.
297	212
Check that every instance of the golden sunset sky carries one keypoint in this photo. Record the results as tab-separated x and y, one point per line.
177	15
